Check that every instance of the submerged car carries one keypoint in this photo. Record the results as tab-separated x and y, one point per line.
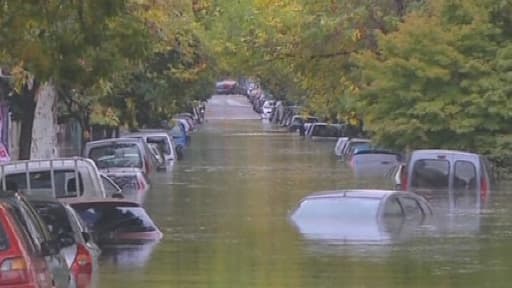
356	216
78	247
447	173
132	183
373	163
121	153
353	145
325	131
298	121
164	142
116	221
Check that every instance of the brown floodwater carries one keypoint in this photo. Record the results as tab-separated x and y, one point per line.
224	212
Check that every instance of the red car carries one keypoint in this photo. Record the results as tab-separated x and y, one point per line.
20	264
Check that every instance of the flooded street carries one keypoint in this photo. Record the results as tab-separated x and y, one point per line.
223	210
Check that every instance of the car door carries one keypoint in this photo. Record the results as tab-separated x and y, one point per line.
56	262
391	217
413	212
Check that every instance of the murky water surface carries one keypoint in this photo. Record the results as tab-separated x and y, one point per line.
224	210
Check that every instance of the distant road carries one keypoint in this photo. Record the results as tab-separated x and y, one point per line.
234	107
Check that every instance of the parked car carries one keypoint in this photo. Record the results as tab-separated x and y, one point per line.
301	121
121	153
461	175
352	144
268	108
21	264
226	87
111	186
325	131
116	221
164	142
339	145
180	136
31	256
359	216
58	178
132	182
373	163
78	246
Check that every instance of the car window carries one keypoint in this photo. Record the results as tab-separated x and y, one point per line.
4	241
110	217
411	207
465	183
162	143
27	239
33	229
331	207
464	176
55	217
430	174
392	208
116	155
41	183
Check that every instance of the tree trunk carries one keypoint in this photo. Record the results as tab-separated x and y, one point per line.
27	121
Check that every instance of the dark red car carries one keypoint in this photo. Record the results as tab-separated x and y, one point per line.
21	264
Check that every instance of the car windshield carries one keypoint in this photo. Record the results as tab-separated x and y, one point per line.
55	217
338	208
4	242
116	155
114	217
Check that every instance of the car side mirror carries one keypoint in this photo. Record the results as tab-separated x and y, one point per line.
49	248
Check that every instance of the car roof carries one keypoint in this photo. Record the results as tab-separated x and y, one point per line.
355	193
113	140
46	164
359	140
443	151
147	134
374	151
92	200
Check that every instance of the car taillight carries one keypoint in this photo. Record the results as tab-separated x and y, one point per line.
404	182
83	261
141	184
14	271
484	188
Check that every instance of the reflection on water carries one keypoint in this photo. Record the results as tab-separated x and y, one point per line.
224	211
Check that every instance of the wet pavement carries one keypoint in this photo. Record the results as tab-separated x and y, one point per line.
223	210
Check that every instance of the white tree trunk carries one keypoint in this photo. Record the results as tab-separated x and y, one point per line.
44	132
